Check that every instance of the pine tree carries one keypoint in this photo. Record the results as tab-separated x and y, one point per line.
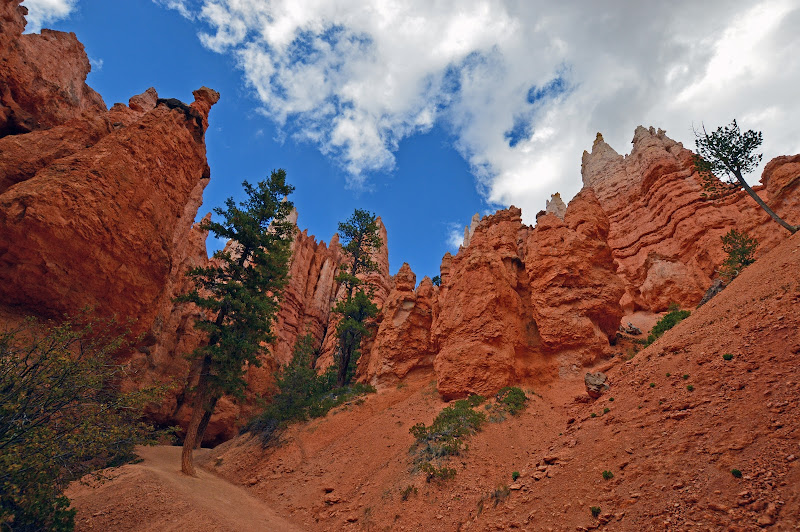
240	292
729	154
359	237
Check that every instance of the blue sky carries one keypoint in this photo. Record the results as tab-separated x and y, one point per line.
427	112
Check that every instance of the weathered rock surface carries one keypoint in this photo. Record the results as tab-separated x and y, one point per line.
664	234
98	228
43	76
574	288
521	304
403	341
596	384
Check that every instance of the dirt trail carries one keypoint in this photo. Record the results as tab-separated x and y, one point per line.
155	495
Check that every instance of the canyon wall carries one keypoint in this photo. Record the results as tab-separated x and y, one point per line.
664	234
97	208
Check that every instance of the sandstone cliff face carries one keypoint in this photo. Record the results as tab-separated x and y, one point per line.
99	227
403	340
43	76
522	304
664	235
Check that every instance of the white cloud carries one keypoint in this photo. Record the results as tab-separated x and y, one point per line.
455	236
42	12
523	86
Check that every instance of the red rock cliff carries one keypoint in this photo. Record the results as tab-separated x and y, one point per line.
664	234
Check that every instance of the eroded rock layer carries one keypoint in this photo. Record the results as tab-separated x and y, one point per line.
665	235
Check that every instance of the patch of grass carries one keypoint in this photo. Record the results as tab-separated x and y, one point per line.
652	385
514	475
669	374
690	388
667	322
606	410
736	473
595	511
727	356
608	475
685	376
592	415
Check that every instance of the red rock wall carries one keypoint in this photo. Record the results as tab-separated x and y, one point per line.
43	76
521	304
664	234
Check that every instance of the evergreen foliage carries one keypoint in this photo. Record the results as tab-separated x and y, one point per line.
61	417
667	322
359	238
240	293
722	159
302	394
741	250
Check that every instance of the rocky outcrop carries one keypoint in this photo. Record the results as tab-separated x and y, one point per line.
42	76
403	340
664	234
522	304
574	288
99	227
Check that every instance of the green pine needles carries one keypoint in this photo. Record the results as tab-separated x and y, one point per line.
359	239
239	293
722	159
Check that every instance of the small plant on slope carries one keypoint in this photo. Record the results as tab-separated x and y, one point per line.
667	322
741	250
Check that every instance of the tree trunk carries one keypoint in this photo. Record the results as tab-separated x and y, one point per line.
791	228
200	400
187	460
201	430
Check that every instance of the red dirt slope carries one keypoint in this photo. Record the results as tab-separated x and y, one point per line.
670	449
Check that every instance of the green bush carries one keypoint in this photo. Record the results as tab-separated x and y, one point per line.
608	475
445	436
302	394
736	473
61	417
595	511
437	474
512	398
667	322
514	475
727	356
741	250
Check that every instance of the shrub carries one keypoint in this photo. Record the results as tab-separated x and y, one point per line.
608	475
736	473
690	388
514	475
406	492
652	385
302	394
61	417
445	436
437	474
727	356
741	250
667	322
606	410
592	415
595	511
513	399
685	376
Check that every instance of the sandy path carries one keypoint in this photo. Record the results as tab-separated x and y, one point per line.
155	495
